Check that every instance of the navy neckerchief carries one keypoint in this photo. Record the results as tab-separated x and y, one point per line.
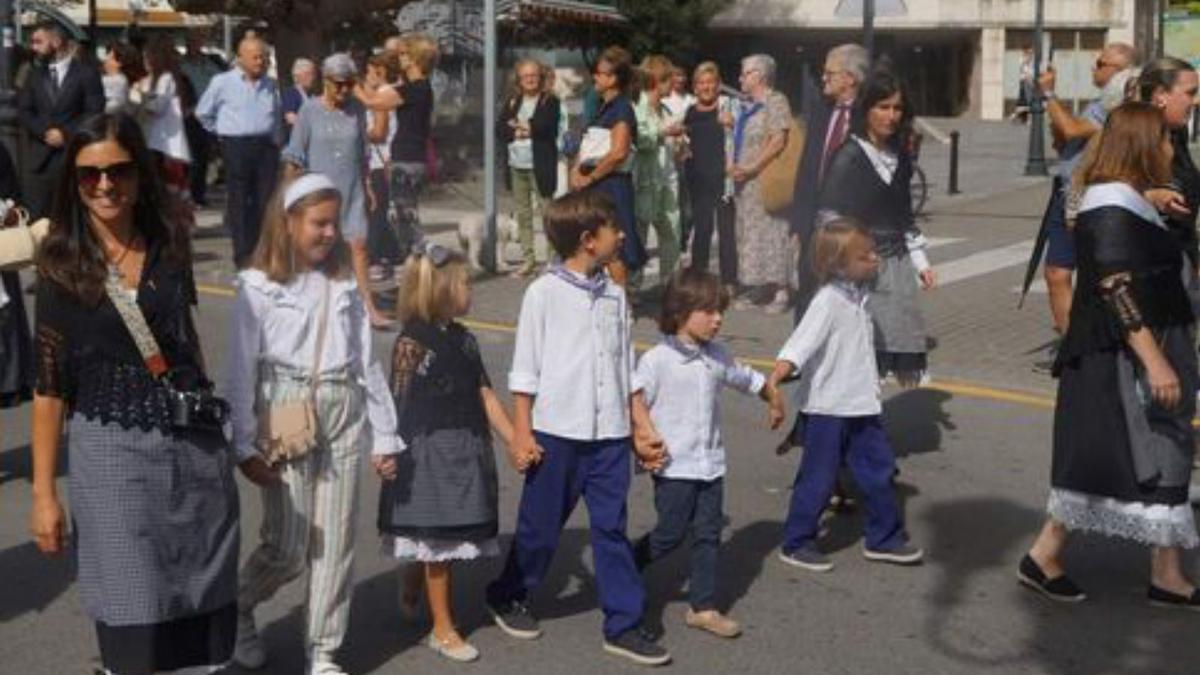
688	351
594	284
739	128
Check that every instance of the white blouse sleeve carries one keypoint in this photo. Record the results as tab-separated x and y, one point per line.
526	371
381	410
810	335
916	243
245	345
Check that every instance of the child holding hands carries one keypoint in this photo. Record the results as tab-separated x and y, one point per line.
680	380
570	380
438	503
838	393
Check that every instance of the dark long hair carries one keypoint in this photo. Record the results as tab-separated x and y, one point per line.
882	84
71	255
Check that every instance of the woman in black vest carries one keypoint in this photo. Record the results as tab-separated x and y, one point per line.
529	127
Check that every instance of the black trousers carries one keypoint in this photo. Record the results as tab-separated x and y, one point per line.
383	241
251	169
200	142
710	210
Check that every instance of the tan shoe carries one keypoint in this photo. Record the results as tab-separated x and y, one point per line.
714	622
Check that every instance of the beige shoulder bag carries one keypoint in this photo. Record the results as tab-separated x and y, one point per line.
288	430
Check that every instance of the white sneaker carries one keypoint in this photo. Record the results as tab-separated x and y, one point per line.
249	651
463	653
325	668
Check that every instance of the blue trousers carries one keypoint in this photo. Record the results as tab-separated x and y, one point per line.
861	441
684	505
600	472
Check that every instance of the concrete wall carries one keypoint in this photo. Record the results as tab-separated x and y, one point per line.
817	14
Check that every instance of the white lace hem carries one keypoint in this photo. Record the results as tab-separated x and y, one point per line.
1149	524
438	550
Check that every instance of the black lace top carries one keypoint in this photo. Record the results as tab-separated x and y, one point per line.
86	356
1109	241
436	377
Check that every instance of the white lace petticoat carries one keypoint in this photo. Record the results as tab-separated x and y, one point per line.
1150	524
438	550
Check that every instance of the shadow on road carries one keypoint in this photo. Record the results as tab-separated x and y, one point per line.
17	463
915	420
35	591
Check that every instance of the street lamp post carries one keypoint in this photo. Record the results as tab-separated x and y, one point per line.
8	97
869	27
1035	164
490	64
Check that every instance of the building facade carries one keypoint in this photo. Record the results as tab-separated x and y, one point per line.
961	57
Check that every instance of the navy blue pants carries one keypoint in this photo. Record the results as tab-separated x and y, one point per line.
600	472
861	441
251	165
684	505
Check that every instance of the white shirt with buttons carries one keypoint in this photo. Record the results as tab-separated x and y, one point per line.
682	388
834	349
574	354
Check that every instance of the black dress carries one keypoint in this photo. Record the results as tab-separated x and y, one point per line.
16	348
1122	464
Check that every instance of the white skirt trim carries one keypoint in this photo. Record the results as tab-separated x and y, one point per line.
438	550
1149	524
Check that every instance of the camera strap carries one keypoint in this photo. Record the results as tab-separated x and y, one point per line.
135	322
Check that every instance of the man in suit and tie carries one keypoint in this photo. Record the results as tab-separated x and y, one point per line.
828	124
62	90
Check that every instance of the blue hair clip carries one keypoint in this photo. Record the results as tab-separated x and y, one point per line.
438	255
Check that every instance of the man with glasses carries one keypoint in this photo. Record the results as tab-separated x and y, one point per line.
828	124
1071	134
241	106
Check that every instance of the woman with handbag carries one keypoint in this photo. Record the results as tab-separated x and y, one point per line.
119	365
16	347
606	154
303	387
760	135
529	124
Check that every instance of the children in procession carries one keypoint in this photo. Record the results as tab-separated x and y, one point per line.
680	381
438	503
307	398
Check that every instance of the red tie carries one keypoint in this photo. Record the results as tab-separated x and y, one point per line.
837	136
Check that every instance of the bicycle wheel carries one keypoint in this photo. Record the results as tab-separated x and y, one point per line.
919	189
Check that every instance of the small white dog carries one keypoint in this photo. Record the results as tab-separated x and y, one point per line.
471	235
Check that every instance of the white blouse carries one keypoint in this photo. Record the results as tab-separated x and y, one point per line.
161	113
277	324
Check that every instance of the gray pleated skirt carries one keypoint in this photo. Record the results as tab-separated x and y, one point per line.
155	523
900	335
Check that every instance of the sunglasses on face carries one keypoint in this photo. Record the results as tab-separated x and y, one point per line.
89	177
340	84
1101	64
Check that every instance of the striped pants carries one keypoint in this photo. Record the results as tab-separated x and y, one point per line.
309	516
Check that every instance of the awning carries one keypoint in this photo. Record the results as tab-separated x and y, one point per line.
558	11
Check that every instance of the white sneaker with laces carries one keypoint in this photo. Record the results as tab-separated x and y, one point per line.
249	651
325	668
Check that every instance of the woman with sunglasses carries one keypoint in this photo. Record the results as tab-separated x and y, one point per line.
154	507
330	138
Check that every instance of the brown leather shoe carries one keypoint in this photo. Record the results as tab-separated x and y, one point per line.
714	622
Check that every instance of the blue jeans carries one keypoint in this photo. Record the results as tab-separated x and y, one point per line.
683	505
600	472
867	452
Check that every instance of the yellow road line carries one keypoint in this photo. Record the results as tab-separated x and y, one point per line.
956	388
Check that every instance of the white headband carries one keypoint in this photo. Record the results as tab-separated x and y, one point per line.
304	186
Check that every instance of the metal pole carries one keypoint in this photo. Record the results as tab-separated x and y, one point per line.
954	138
227	25
8	97
1035	164
869	27
1159	21
490	50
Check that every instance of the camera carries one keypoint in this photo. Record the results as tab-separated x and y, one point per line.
191	402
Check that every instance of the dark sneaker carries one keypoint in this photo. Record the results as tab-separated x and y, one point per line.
1168	600
633	645
1059	589
515	619
902	554
807	557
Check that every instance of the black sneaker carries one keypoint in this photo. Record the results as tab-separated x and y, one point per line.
807	557
633	645
1059	589
902	554
515	619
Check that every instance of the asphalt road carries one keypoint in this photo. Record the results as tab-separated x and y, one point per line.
973	484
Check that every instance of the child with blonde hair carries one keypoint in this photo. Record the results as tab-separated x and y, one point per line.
306	396
833	349
439	498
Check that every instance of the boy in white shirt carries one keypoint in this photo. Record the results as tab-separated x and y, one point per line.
680	380
570	381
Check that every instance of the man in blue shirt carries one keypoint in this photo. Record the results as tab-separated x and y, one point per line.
241	106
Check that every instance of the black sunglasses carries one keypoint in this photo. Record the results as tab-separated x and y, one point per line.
120	172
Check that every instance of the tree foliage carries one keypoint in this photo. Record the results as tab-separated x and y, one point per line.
670	27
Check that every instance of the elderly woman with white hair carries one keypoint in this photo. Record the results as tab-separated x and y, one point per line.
759	136
330	137
304	73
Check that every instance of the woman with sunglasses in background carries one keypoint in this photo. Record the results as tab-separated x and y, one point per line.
330	138
154	508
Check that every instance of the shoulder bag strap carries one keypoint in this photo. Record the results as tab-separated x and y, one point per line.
322	325
135	322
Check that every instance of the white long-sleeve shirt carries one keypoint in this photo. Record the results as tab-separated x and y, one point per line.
575	356
682	387
162	116
277	324
834	350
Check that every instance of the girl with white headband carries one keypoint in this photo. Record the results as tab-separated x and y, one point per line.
304	387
